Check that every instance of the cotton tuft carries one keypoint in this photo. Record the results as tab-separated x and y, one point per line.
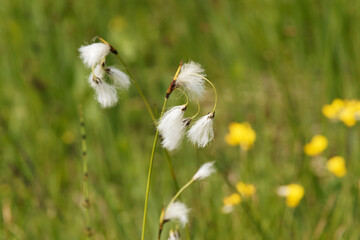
201	132
92	54
189	80
177	211
205	170
106	94
172	127
121	80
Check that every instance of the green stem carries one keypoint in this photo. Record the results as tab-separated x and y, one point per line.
171	201
149	174
86	203
137	88
213	86
180	191
152	115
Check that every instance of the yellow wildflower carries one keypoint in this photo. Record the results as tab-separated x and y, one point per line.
347	115
241	134
316	146
332	110
245	190
231	200
347	111
293	193
336	165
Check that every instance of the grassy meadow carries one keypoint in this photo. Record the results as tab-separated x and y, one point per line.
275	64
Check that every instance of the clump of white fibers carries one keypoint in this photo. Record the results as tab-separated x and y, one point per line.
172	127
201	132
93	53
106	94
121	80
174	235
190	78
204	171
177	211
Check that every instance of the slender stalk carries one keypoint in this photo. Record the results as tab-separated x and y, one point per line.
180	191
198	110
86	204
137	88
213	86
149	174
171	201
151	113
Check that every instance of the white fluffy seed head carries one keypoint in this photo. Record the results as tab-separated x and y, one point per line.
201	132
172	127
177	211
121	80
190	80
105	93
204	171
92	54
174	235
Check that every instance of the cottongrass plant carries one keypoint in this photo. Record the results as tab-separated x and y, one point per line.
172	126
105	80
94	57
177	211
189	78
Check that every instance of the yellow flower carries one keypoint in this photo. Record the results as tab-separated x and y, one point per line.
336	165
231	200
316	146
331	111
347	115
241	134
347	111
293	193
245	190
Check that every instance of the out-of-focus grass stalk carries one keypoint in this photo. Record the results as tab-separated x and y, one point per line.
137	88
151	113
149	174
249	212
86	204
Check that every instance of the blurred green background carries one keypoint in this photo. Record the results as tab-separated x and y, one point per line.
275	64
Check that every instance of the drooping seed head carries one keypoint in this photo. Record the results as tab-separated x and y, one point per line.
201	132
121	80
204	171
190	79
177	211
172	127
92	54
